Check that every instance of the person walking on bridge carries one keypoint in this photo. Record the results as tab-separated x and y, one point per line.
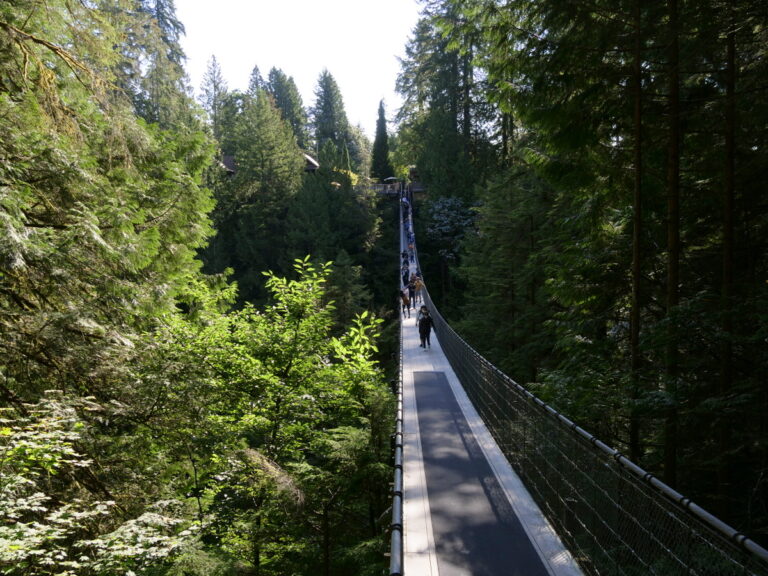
412	290
418	285
425	326
405	302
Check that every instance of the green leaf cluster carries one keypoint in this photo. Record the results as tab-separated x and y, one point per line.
280	417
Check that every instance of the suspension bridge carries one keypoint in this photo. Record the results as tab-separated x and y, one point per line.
491	481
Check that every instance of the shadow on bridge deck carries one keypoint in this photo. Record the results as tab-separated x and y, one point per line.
465	510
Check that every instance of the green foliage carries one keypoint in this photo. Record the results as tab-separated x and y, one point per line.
347	290
441	120
575	271
49	524
252	203
213	94
278	396
287	99
185	437
256	417
329	118
381	167
101	215
331	126
505	275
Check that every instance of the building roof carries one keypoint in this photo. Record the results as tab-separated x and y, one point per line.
311	164
227	162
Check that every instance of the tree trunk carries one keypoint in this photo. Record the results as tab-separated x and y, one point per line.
467	79
506	135
256	547
726	352
673	249
326	542
635	450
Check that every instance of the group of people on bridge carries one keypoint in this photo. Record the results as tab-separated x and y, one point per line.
412	289
409	297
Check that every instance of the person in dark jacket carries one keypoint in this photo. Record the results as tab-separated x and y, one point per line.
405	273
425	327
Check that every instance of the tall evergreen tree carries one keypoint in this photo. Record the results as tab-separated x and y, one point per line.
102	213
252	203
255	82
630	126
381	167
288	100
164	79
213	93
430	83
146	427
328	216
360	150
103	189
330	124
329	118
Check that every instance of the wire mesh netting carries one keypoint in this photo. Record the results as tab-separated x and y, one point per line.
615	518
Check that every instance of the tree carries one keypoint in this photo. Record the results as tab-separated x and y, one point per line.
253	203
255	82
286	466
505	276
381	167
139	413
165	97
287	98
430	85
330	124
329	119
42	533
328	216
102	214
629	127
213	94
89	184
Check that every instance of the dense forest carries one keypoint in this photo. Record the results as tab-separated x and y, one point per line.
196	297
193	372
596	219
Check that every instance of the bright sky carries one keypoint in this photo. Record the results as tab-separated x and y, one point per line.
357	41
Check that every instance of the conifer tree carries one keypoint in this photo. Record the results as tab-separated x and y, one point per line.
164	87
213	93
381	167
146	427
102	213
360	150
104	189
255	82
329	119
634	145
288	100
253	202
430	83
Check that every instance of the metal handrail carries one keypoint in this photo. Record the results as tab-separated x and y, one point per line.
396	544
615	517
396	527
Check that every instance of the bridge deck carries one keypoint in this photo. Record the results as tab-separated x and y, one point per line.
465	510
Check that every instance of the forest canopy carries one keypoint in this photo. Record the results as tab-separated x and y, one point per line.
595	219
179	393
196	311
